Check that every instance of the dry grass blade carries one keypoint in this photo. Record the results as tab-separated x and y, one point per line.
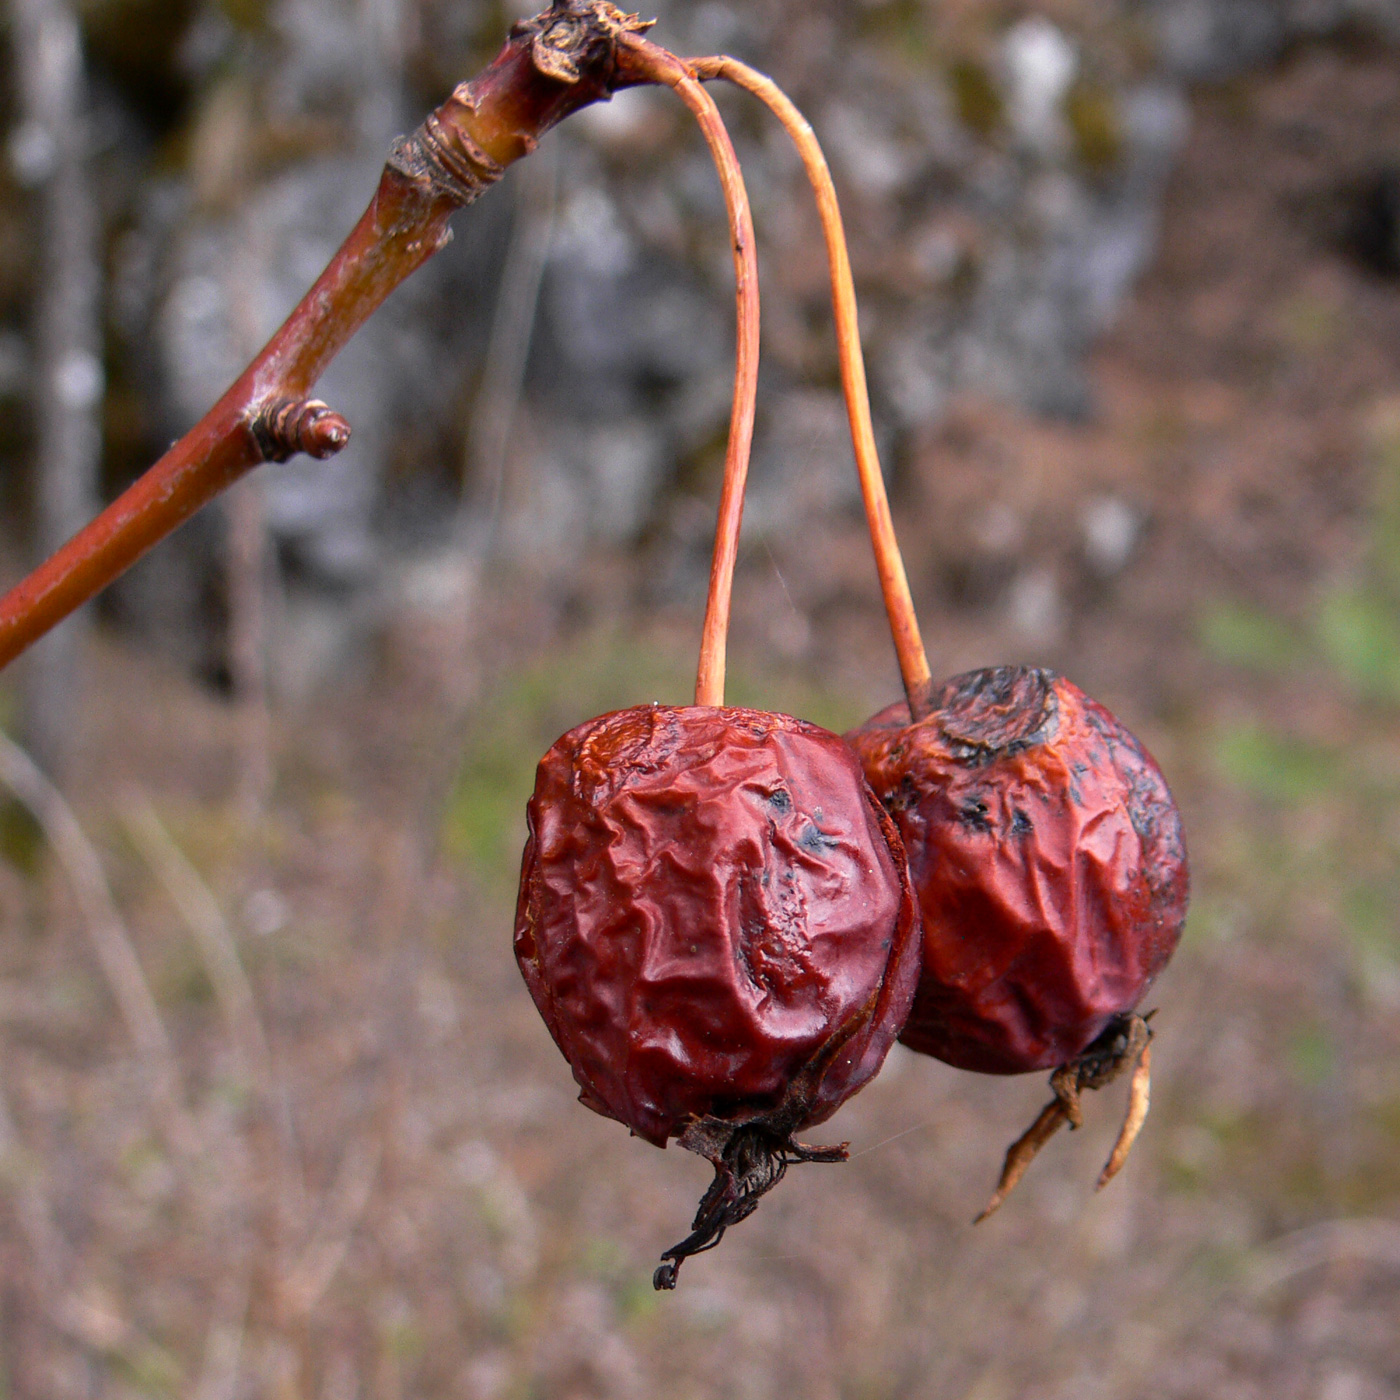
1374	1241
223	1348
1023	1152
306	1282
512	329
1139	1096
212	935
32	1208
111	943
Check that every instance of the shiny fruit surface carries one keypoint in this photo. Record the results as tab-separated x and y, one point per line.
715	919
1048	858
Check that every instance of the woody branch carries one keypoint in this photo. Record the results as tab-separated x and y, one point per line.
551	66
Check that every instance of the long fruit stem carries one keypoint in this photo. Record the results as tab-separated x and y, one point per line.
642	59
551	65
894	584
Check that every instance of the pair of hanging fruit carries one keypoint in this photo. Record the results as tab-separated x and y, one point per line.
726	917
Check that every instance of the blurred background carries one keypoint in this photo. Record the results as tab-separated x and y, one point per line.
277	1117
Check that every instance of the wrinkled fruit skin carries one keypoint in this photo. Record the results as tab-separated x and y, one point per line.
715	918
1048	858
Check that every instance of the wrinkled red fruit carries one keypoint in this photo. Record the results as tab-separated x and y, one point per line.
1048	858
717	924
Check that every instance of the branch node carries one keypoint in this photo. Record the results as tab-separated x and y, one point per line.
445	157
285	427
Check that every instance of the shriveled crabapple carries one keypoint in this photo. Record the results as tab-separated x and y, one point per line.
1051	873
717	924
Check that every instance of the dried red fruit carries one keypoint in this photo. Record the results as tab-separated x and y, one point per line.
717	924
1048	857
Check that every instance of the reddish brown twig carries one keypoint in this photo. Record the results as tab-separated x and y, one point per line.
645	61
550	66
894	585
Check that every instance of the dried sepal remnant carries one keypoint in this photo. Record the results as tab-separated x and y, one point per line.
748	1162
1139	1099
1049	861
1125	1042
718	927
1022	1153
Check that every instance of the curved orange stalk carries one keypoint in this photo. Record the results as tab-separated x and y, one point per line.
894	584
646	60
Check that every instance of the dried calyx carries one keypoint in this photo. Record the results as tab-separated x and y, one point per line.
1125	1041
749	1161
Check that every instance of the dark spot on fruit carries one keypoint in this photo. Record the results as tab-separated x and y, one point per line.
903	797
1021	824
998	710
975	816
